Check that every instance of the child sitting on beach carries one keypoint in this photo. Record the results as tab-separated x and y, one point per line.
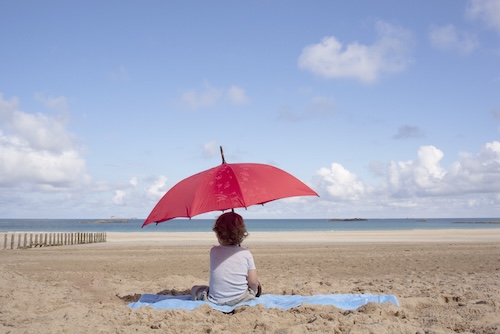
233	276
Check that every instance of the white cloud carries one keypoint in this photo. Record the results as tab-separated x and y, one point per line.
389	53
133	181
338	183
449	38
37	150
486	11
197	100
128	194
134	198
237	95
119	197
423	176
479	173
211	96
158	188
38	131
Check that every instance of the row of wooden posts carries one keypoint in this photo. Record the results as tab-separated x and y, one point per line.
23	240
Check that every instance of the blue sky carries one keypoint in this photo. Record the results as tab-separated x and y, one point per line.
385	108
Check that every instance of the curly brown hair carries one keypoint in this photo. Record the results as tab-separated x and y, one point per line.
230	228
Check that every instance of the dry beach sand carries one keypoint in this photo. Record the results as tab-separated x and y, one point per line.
446	282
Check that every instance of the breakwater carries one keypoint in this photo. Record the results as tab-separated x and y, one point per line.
24	240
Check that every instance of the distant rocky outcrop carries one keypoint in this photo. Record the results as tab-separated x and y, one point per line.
347	219
106	221
493	223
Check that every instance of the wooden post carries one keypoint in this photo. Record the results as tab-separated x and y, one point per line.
24	240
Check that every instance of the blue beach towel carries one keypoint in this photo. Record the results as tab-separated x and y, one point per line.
285	302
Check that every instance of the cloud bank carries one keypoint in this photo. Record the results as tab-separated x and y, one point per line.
43	169
473	180
43	172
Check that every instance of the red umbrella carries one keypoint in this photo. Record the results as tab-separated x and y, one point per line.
225	187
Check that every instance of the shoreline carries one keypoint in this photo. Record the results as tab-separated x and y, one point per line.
290	238
304	238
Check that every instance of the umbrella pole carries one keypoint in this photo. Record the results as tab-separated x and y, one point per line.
222	155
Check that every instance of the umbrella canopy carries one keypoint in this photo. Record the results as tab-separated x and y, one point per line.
228	186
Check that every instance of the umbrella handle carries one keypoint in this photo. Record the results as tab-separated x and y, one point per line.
222	155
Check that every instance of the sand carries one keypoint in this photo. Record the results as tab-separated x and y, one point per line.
446	282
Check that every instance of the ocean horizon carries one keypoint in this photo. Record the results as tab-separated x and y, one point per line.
253	225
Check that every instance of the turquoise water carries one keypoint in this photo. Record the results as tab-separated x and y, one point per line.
257	225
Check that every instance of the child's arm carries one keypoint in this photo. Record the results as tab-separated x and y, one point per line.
253	280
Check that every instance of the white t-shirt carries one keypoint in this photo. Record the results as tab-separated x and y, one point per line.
229	266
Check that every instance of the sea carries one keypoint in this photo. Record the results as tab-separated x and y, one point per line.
256	225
